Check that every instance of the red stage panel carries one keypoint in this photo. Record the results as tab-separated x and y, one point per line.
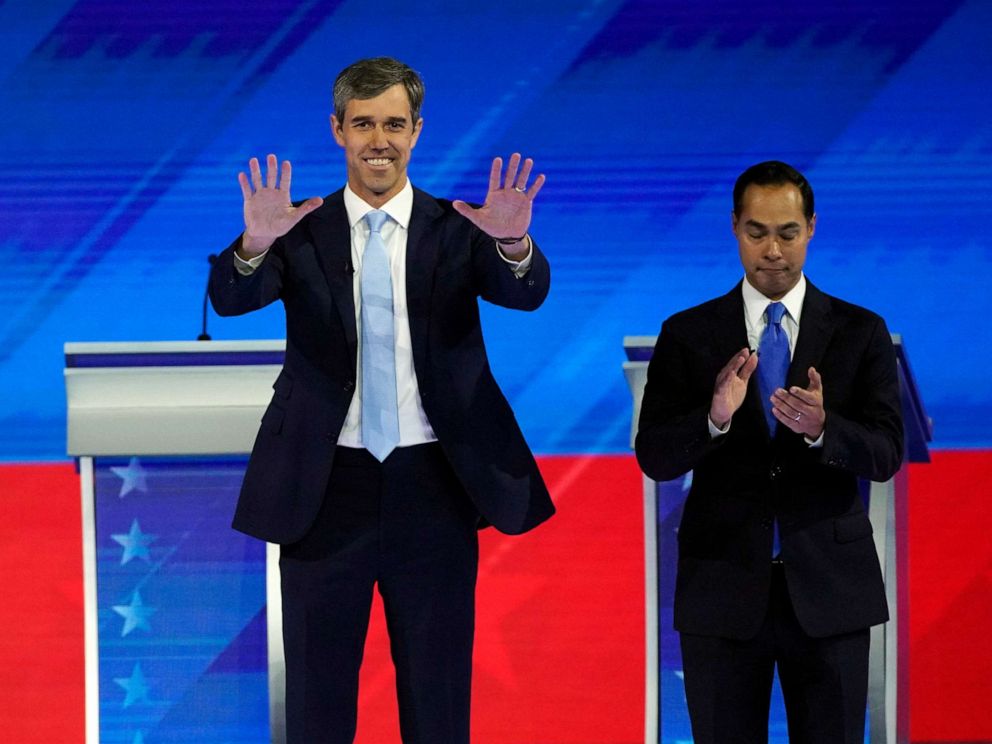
41	610
559	653
950	574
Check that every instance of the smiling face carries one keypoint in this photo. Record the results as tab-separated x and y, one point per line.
772	234
377	134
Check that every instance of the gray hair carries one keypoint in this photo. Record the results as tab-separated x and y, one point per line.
368	78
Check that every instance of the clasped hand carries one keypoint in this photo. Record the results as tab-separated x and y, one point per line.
801	410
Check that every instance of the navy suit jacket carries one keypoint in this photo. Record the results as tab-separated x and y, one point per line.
450	264
746	478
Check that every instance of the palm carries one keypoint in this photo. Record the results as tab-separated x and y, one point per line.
268	209
269	213
731	386
506	212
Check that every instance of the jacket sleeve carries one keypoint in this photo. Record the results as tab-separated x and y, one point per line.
233	293
496	281
869	440
673	432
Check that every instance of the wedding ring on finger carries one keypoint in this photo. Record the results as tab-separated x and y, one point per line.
799	415
518	189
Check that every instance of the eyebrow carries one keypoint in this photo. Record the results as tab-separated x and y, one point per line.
762	226
389	119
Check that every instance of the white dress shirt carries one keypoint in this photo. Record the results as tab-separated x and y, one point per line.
414	426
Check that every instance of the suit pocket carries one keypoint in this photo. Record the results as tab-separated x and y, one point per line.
852	527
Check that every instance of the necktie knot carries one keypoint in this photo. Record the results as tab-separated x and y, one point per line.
774	313
376	219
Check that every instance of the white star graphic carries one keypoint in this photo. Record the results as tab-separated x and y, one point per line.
135	614
133	477
135	686
135	543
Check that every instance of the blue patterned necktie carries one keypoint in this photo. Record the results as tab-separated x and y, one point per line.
380	417
773	366
773	359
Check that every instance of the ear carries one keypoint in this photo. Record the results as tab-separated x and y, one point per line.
336	130
416	132
811	227
733	221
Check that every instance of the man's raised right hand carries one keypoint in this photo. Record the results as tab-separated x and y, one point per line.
269	212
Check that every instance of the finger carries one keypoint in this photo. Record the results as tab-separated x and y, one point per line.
538	183
494	174
286	176
256	173
815	381
805	396
245	186
521	182
749	366
309	205
511	170
782	401
789	421
271	169
465	211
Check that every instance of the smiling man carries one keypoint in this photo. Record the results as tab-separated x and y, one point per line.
777	566
388	442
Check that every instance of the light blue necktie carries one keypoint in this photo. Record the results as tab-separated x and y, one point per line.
380	417
773	366
773	359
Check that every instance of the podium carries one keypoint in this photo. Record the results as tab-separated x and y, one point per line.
666	719
182	613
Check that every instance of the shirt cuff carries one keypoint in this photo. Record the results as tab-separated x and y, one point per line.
247	268
716	431
815	443
521	267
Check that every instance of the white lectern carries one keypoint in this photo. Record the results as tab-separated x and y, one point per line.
182	613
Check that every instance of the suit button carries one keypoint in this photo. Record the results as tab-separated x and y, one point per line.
349	386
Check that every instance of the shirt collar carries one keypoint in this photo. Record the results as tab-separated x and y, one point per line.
399	208
755	302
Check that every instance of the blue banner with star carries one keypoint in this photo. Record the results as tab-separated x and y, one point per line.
181	604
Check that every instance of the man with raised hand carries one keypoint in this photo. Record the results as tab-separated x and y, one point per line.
387	442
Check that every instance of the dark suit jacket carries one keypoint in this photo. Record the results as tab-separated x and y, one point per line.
450	263
744	479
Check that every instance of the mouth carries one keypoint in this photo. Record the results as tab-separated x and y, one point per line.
379	162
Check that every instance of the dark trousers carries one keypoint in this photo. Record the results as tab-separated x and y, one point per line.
407	525
824	681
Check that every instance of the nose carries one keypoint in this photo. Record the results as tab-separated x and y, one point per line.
773	250
379	140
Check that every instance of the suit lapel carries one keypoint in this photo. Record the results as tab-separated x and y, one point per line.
815	331
731	330
422	247
332	242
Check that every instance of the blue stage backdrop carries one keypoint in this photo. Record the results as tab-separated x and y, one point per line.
124	124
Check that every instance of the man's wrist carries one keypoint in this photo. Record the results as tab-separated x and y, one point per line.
514	249
251	246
